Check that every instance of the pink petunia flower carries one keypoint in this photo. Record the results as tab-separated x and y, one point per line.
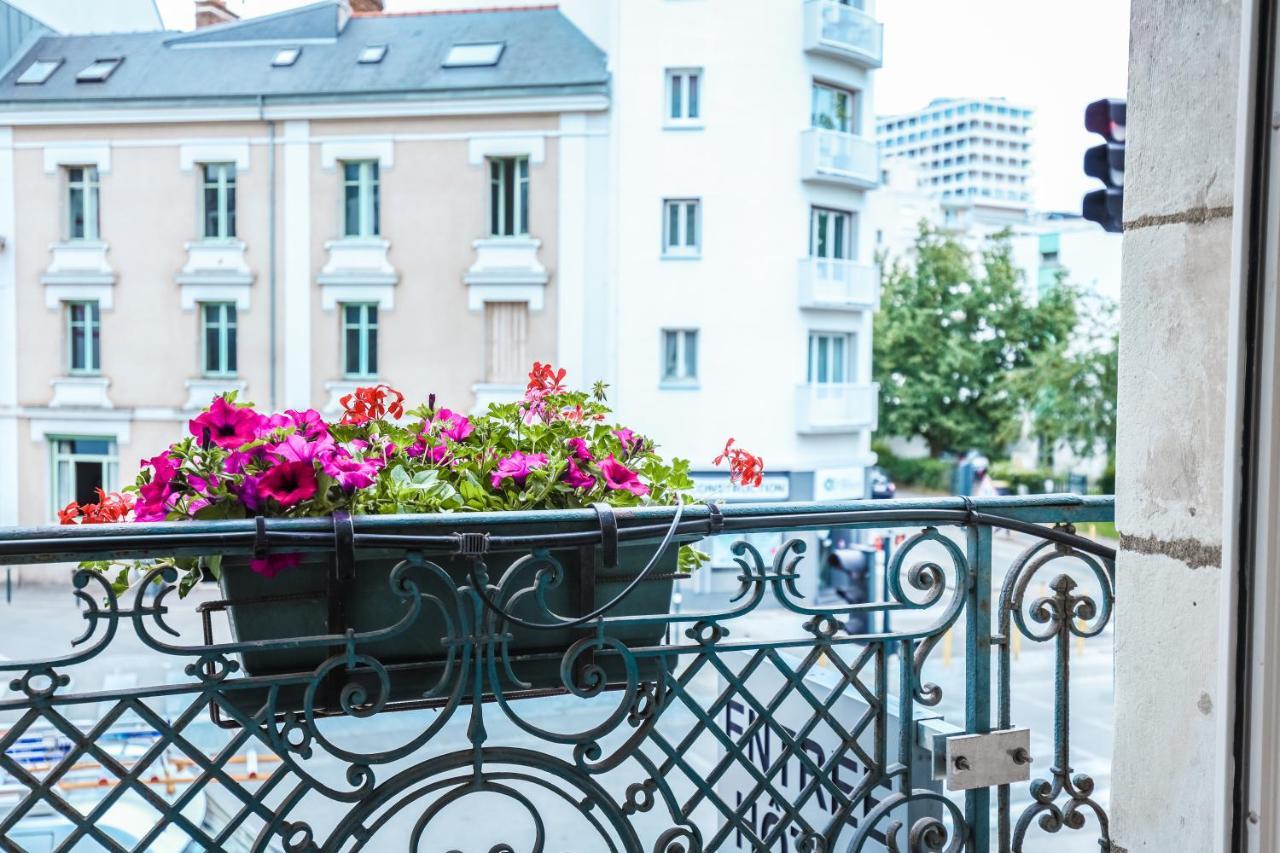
578	450
576	478
289	483
226	425
274	564
630	441
516	467
295	448
454	425
621	478
351	473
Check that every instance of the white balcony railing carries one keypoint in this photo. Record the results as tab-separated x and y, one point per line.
831	407
839	284
840	158
843	31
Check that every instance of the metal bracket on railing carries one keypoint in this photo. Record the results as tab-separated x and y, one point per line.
344	545
260	546
715	518
608	534
473	544
985	761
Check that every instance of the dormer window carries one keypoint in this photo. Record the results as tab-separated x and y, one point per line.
286	57
100	70
474	55
39	71
372	54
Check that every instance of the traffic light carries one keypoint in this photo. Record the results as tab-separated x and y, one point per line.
1106	163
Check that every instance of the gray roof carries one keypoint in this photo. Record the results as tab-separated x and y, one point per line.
544	54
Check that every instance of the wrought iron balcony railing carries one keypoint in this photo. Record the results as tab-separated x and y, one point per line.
842	30
546	698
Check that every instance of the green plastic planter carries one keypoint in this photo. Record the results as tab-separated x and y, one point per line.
298	603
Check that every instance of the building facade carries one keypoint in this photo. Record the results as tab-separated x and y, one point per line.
972	153
288	207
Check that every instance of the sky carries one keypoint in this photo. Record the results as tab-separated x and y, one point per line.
1053	57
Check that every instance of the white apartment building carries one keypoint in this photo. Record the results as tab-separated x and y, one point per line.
973	152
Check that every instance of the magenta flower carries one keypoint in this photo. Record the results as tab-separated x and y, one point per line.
621	478
226	425
295	448
578	449
351	473
517	467
250	493
454	425
435	452
576	478
153	497
238	460
630	441
274	564
289	483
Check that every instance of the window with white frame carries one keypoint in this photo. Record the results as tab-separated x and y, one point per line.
830	233
834	109
360	340
218	201
830	358
82	202
81	466
508	196
218	338
684	96
360	198
679	356
83	337
681	227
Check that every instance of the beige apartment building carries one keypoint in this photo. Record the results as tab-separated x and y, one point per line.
288	207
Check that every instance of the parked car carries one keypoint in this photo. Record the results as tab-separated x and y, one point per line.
879	484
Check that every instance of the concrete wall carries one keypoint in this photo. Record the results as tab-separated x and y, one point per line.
1182	95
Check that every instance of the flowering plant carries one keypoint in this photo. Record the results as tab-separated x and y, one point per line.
553	449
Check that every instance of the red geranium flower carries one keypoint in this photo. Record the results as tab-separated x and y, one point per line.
546	379
745	469
371	404
111	508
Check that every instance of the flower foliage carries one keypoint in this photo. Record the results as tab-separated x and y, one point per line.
553	449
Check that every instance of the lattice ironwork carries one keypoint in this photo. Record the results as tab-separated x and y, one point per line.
762	725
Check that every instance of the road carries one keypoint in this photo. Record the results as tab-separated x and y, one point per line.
42	620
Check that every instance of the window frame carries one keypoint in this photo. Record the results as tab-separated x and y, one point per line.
852	119
367	184
91	328
681	248
227	325
499	178
844	233
225	186
89	185
685	374
365	325
677	85
847	365
110	461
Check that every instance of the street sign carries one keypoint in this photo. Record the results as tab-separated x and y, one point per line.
843	483
716	487
821	744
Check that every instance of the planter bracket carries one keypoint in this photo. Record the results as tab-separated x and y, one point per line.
608	534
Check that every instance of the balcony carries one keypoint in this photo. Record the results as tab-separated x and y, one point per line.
739	719
843	32
840	285
823	407
829	156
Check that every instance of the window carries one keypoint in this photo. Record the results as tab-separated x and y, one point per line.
360	340
83	344
372	54
830	358
360	198
219	201
286	57
509	196
81	466
218	320
82	203
99	70
833	109
684	96
830	233
679	356
38	71
474	55
681	227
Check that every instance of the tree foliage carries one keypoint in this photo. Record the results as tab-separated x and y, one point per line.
961	353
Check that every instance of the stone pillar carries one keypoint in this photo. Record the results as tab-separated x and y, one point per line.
1169	474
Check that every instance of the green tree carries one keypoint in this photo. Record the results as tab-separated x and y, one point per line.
952	335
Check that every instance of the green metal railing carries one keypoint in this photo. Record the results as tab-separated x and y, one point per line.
551	696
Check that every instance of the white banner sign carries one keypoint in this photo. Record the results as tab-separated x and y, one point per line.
716	487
